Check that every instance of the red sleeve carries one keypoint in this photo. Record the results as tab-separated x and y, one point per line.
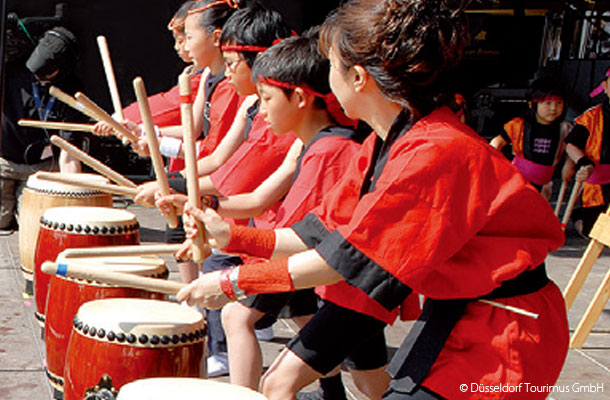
449	218
321	168
165	106
253	161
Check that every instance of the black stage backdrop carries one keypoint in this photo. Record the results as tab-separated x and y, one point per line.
139	42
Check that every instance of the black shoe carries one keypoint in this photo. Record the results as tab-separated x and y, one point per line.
330	389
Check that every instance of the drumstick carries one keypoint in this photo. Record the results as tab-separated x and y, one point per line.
192	183
153	147
76	271
103	187
105	117
72	102
109	251
110	78
560	196
31	123
92	162
571	203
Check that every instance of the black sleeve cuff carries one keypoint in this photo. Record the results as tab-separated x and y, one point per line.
311	230
583	162
362	272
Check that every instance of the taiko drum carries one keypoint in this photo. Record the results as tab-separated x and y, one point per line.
185	388
122	340
40	195
69	227
66	295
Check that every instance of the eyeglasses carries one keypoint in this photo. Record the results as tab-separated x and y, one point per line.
232	65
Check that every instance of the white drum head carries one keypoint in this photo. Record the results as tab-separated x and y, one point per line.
50	187
185	388
90	220
157	323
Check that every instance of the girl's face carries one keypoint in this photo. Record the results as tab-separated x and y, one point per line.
548	111
278	110
200	44
238	73
341	85
180	46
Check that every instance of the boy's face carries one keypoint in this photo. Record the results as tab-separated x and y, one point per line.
238	73
277	108
198	43
180	46
548	111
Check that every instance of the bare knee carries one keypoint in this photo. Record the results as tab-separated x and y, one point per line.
372	383
275	388
236	316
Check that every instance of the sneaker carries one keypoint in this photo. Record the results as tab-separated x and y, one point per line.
218	365
265	334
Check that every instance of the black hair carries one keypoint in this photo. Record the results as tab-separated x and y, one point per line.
539	88
296	61
544	86
177	21
405	45
254	25
213	17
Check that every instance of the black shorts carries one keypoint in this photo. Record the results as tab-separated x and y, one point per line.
282	305
335	335
177	234
419	393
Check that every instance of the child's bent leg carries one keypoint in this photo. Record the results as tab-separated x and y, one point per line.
245	357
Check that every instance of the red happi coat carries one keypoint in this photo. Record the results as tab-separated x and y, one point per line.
253	161
450	218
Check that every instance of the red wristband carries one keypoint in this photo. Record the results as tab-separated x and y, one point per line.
271	277
225	284
253	241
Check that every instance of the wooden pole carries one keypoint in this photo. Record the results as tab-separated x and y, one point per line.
104	187
560	196
153	146
68	126
105	117
571	203
78	271
109	251
592	314
92	162
192	182
72	102
110	78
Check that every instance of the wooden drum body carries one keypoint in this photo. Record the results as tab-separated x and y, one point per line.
38	196
130	339
66	295
69	227
185	388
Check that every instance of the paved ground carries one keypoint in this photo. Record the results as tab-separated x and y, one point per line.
586	374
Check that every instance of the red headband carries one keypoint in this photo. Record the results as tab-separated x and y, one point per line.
173	26
600	88
286	85
237	47
231	3
548	97
332	104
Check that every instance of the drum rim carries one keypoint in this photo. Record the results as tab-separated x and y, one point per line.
90	322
